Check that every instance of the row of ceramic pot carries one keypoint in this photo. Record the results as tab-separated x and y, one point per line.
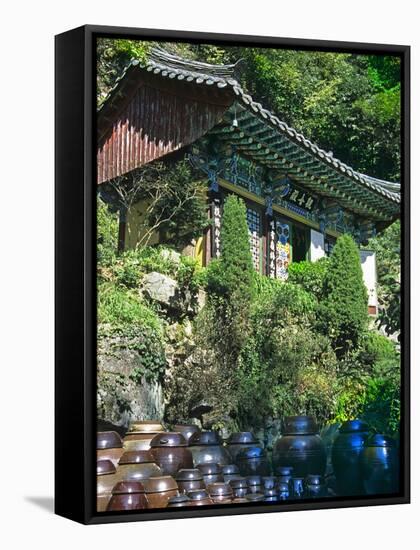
361	464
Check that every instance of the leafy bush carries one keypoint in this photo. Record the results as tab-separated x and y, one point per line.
107	234
123	308
310	276
343	312
376	349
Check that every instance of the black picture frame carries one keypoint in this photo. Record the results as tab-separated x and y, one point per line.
75	265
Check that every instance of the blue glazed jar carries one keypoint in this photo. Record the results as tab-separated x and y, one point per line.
380	465
345	457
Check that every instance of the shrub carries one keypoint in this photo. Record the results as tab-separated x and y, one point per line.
310	276
378	350
343	313
107	234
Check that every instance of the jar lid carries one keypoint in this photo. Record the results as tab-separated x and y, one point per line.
250	452
168	439
189	474
198	494
209	437
104	467
209	468
108	440
126	487
299	425
355	425
136	457
241	438
230	469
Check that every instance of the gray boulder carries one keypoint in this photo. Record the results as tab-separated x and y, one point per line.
163	290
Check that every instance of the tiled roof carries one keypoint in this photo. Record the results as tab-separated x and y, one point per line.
171	66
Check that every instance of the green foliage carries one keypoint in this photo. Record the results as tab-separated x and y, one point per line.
310	276
343	313
180	207
233	275
123	308
387	246
381	406
107	234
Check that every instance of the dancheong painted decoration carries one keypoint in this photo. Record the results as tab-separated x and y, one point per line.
299	197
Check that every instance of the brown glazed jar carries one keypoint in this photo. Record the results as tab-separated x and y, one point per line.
240	440
211	472
159	490
189	480
207	447
253	461
105	481
137	466
127	495
220	493
255	484
109	446
300	447
187	430
170	452
140	434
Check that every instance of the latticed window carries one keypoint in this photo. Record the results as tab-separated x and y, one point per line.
254	225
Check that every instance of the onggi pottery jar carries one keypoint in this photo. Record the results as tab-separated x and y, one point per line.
199	498
189	480
105	481
140	433
170	452
269	482
255	497
230	471
109	446
253	461
315	486
239	487
345	457
137	466
179	501
300	447
240	440
159	490
220	492
127	495
380	465
271	495
211	472
283	490
207	447
255	484
298	487
187	430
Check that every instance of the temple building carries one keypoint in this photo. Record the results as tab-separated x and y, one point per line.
299	198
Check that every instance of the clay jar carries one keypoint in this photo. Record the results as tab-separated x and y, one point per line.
252	461
140	433
199	498
187	430
105	481
127	495
255	484
159	490
170	452
109	446
239	487
300	447
345	457
189	480
136	466
315	486
211	472
240	440
230	471
220	493
207	447
179	501
380	465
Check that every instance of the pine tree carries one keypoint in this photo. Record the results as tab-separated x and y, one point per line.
344	311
